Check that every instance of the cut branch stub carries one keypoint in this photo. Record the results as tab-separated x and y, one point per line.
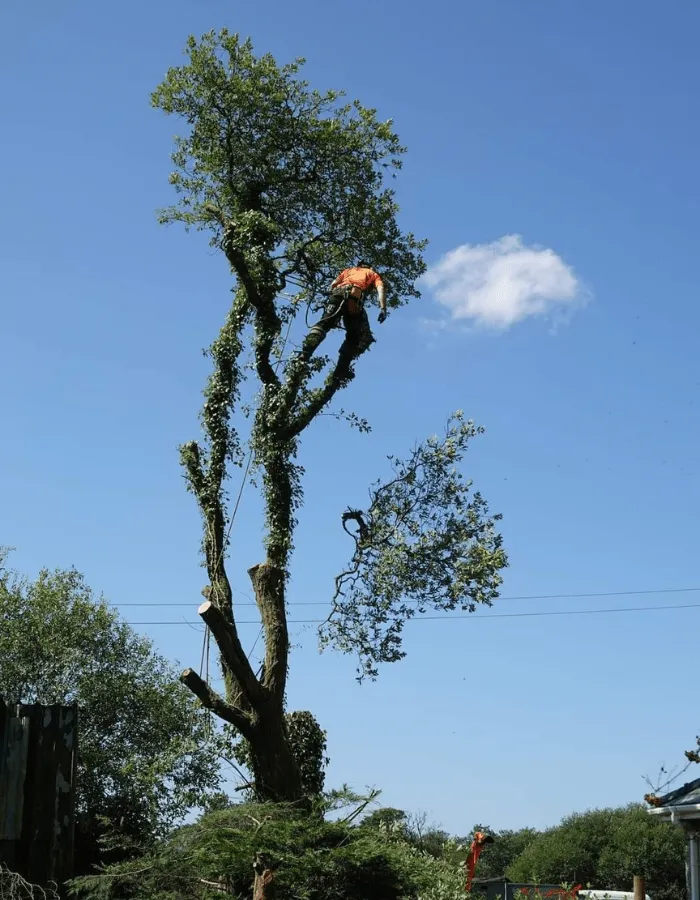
226	637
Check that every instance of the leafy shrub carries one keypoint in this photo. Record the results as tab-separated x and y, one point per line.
606	848
315	859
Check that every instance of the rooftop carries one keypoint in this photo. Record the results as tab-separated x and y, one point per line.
687	795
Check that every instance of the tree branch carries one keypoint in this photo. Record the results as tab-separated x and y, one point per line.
300	253
209	699
191	456
269	324
232	651
339	378
268	584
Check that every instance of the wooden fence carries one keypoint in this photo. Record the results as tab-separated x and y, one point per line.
37	790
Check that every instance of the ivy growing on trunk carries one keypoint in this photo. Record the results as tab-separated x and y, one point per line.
292	185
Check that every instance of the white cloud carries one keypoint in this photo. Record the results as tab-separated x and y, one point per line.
498	284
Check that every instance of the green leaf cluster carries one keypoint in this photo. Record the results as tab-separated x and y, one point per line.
297	174
426	541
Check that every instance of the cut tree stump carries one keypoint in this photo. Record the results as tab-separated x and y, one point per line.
264	885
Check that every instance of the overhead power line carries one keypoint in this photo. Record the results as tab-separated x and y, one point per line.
685	590
471	616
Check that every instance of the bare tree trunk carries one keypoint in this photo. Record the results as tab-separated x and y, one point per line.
276	774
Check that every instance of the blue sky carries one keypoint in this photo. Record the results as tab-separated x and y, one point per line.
570	124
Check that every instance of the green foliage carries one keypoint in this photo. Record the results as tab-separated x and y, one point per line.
606	848
142	762
298	174
309	745
425	542
216	802
414	830
387	817
315	859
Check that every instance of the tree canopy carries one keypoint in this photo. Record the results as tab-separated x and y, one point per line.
414	829
290	179
142	755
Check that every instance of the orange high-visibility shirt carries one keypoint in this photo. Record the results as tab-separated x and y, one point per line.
365	279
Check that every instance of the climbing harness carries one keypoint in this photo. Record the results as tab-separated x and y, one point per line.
350	298
345	299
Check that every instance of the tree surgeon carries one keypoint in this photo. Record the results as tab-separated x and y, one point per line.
346	304
481	839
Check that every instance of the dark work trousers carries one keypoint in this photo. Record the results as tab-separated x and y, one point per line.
358	335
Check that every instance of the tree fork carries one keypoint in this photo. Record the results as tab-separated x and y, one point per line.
339	378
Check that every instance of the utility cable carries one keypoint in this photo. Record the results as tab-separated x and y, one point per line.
685	590
471	616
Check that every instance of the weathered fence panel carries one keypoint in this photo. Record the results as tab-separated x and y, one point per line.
38	747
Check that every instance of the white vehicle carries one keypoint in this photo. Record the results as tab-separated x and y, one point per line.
598	894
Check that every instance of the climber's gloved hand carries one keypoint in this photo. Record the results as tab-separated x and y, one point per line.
381	317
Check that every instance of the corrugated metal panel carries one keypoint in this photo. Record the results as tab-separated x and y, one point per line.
13	774
38	748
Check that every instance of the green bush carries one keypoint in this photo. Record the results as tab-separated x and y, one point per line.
606	848
143	758
316	860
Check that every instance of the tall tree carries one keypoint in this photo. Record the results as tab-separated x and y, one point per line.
291	184
142	756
